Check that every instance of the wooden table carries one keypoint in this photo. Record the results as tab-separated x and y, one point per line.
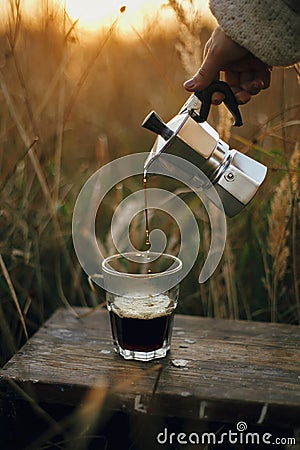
230	371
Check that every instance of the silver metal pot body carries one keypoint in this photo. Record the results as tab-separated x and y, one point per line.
235	176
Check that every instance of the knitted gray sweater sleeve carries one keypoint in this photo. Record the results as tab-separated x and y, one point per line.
269	29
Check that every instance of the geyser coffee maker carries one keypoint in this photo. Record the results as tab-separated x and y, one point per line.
235	176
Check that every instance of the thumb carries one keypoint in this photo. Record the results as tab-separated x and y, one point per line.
207	73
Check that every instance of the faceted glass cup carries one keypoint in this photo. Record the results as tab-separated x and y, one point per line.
142	291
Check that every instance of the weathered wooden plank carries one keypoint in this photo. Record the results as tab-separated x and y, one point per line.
234	370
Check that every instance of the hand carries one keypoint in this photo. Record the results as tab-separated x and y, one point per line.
245	74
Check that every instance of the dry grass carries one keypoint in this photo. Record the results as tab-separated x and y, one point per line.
271	131
69	106
63	119
64	113
281	239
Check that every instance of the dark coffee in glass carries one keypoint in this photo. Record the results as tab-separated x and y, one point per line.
141	316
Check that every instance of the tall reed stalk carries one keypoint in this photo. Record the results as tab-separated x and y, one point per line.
282	237
70	106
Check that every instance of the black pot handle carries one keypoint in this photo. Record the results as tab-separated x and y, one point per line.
230	101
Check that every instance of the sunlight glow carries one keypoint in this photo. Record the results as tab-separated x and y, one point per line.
93	14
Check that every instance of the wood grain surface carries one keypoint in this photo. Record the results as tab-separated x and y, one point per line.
234	370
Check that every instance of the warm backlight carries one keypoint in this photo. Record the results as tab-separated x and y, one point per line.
94	14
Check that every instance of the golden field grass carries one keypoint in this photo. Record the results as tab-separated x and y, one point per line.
70	105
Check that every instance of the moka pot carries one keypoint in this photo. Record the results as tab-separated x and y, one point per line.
235	176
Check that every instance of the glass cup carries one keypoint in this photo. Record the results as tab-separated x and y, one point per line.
142	291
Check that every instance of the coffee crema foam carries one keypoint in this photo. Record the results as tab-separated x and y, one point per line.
144	308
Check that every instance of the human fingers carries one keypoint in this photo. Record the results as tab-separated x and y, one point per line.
209	70
232	78
207	73
254	74
249	83
254	82
220	51
264	75
217	97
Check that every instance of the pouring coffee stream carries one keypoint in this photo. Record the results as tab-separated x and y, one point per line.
235	176
147	242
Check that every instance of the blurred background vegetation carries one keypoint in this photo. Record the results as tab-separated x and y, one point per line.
72	102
